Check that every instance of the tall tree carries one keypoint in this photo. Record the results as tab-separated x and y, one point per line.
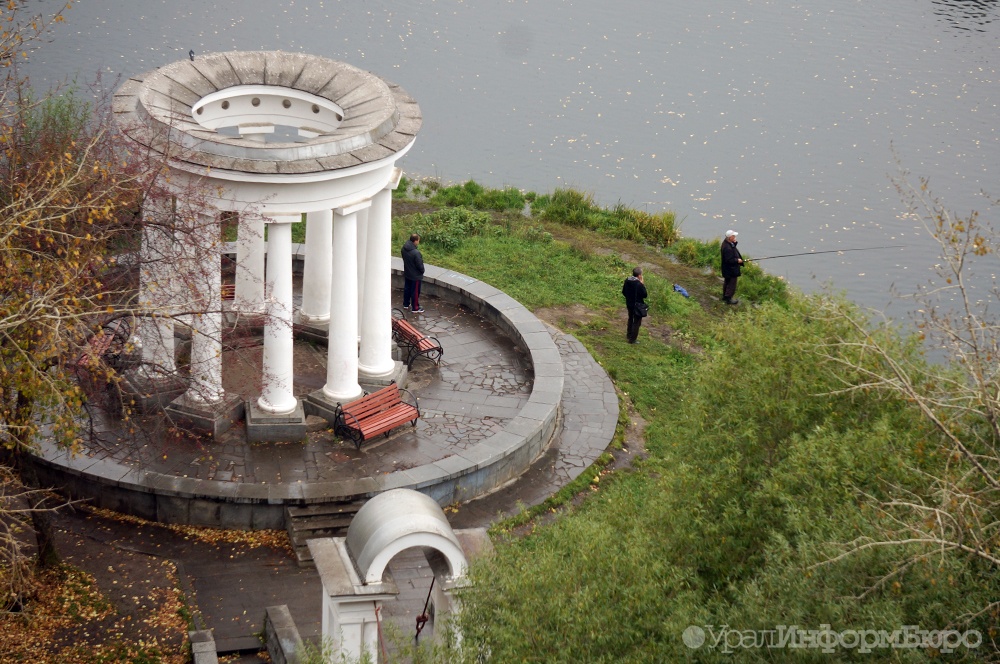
953	511
67	204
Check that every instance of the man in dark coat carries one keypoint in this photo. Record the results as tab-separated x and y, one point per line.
731	262
413	274
634	290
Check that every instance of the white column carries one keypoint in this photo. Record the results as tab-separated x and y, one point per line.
376	324
276	394
156	330
447	606
318	269
362	249
342	340
250	265
205	274
351	624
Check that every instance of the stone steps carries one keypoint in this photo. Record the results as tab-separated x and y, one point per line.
318	520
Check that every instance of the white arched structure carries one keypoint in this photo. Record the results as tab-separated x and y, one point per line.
397	520
270	137
354	569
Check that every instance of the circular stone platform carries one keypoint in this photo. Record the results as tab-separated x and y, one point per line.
487	412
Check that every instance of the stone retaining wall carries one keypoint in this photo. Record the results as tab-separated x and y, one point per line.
456	478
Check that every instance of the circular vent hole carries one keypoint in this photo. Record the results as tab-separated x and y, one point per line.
255	101
286	104
225	105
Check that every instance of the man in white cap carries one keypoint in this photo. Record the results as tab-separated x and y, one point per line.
731	262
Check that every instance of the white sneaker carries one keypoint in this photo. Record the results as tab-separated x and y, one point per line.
418	311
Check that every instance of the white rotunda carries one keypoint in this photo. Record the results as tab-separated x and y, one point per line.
266	137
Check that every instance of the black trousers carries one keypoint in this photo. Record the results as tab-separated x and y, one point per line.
411	293
729	287
632	333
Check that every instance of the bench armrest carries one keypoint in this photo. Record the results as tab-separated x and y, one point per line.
415	404
342	417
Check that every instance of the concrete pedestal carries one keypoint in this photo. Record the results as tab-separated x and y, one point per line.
150	393
212	419
320	404
316	331
397	375
265	427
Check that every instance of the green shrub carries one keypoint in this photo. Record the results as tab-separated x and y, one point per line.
726	521
474	195
756	285
450	226
696	253
52	125
500	200
656	229
534	234
665	302
459	195
566	206
573	208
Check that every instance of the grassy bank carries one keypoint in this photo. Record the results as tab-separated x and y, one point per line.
760	473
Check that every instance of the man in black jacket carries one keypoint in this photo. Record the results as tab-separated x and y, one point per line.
731	262
634	290
413	274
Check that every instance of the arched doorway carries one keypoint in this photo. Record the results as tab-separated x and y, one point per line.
354	569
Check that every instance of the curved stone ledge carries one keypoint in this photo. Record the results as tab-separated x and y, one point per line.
456	478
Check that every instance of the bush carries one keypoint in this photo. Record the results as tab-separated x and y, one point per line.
664	302
450	226
759	286
534	234
474	195
54	124
573	208
726	521
696	253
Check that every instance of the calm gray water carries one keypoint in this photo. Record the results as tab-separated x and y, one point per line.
784	120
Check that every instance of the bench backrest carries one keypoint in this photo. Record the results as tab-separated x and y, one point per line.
373	403
406	329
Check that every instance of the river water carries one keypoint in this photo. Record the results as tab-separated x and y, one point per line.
785	120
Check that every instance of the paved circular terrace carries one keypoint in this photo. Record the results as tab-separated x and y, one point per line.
500	400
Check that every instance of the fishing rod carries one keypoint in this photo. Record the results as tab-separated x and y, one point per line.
829	251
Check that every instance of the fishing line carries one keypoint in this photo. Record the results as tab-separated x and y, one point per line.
830	251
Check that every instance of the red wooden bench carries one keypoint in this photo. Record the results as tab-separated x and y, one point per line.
377	413
110	341
414	342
